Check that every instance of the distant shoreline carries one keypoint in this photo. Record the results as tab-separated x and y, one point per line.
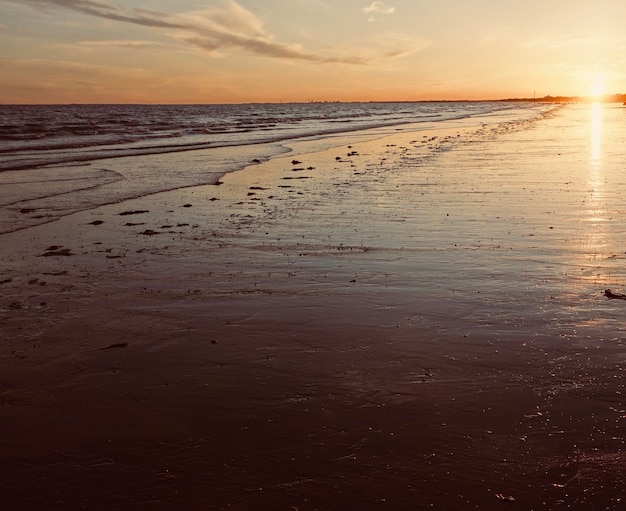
607	98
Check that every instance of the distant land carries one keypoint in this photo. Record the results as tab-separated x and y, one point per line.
605	98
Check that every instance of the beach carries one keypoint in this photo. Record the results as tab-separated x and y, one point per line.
415	320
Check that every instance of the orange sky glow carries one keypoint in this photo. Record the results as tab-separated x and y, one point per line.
234	51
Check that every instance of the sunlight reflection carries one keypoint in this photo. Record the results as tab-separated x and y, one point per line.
595	174
596	132
596	215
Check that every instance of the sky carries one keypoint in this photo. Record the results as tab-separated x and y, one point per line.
239	51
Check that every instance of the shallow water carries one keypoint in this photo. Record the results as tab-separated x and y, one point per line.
55	160
38	135
512	233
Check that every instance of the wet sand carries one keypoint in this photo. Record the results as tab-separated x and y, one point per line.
416	322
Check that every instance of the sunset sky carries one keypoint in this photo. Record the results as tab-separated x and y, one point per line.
225	51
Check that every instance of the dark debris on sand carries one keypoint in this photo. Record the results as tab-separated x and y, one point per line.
115	346
611	295
135	212
56	250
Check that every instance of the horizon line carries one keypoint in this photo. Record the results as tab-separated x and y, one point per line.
605	98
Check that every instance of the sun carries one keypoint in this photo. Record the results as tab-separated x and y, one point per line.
597	87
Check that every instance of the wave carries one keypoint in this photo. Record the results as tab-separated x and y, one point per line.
47	177
35	136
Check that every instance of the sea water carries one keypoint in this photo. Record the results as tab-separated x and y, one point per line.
58	159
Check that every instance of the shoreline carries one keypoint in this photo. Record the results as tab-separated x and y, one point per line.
42	195
392	328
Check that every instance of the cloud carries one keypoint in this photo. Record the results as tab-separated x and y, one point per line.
64	81
398	45
230	27
37	80
559	41
105	10
132	43
379	8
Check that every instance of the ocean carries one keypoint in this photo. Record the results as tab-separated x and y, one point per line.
59	159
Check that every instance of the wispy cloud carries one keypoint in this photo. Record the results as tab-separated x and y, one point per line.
379	8
376	8
61	81
398	45
216	29
105	10
64	81
559	41
132	43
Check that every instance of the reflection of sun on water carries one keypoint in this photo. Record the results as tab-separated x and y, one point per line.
595	182
595	240
596	133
